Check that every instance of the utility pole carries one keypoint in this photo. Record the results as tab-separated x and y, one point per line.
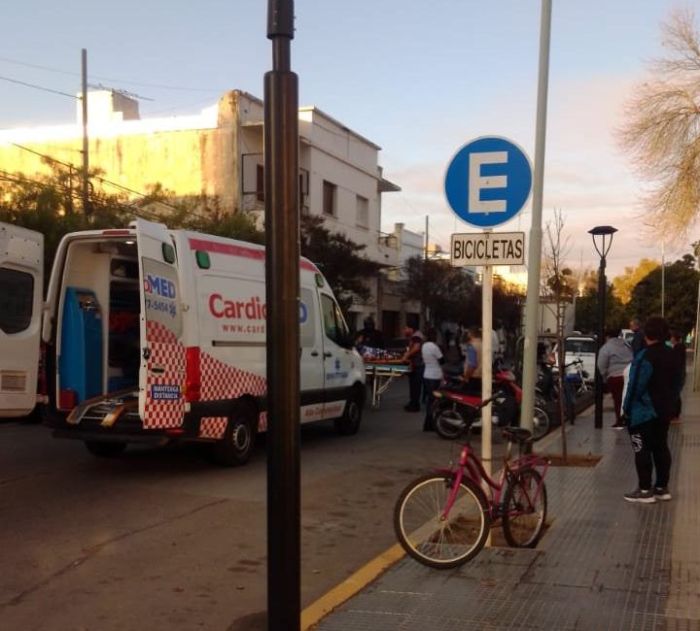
281	105
86	157
535	248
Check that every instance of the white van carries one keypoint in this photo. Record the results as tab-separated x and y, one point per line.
154	335
21	290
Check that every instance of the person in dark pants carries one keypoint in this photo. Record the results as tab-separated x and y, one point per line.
614	356
414	359
678	350
648	408
432	374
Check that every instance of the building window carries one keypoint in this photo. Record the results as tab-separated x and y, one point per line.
362	212
16	300
329	198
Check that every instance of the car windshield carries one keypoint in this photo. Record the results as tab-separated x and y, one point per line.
580	346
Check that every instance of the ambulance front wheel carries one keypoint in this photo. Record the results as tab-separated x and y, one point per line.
239	439
103	449
349	423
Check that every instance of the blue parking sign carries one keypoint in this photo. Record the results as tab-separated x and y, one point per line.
488	181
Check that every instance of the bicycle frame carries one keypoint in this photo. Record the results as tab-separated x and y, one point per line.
471	467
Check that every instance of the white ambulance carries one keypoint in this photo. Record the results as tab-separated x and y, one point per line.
21	291
152	335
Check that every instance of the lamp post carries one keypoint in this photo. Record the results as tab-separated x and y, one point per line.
602	240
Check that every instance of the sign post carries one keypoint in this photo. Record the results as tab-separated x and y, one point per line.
487	183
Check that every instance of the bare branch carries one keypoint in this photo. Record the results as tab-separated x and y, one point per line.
662	130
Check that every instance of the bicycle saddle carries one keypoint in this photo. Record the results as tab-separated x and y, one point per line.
517	435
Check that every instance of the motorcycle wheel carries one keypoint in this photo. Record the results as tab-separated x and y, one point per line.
449	423
540	423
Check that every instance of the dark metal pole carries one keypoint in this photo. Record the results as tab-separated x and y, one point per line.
282	297
598	417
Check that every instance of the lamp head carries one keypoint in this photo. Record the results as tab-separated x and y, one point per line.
599	233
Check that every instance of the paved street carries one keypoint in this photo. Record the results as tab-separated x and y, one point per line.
161	539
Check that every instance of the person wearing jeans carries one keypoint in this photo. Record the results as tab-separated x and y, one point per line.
648	408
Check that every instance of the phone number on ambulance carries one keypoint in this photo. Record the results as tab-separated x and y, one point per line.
164	306
243	328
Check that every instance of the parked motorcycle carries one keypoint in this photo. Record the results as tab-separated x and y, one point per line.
455	406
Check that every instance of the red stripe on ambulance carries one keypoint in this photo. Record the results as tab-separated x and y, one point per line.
239	250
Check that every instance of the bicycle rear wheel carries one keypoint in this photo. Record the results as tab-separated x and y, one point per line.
432	539
524	509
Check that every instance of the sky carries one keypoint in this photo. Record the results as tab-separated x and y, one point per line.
419	79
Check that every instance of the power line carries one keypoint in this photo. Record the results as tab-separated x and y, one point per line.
96	177
102	78
39	87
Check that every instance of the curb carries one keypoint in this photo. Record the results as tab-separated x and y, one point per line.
356	582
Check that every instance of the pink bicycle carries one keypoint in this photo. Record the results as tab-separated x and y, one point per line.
443	519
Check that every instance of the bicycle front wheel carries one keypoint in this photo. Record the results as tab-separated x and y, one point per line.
524	509
433	538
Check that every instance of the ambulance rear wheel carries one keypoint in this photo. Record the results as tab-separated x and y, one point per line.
103	449
349	423
238	441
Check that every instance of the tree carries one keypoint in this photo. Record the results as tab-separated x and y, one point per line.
340	259
45	204
560	285
681	294
624	285
662	132
448	292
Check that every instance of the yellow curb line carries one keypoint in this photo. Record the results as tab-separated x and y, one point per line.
313	614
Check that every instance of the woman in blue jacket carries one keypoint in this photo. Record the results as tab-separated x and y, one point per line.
648	407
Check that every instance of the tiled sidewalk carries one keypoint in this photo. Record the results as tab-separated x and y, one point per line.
603	564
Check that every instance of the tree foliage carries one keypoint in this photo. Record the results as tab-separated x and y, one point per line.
339	258
624	285
46	204
680	294
448	292
662	130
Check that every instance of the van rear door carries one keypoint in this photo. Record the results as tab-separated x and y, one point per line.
162	371
21	290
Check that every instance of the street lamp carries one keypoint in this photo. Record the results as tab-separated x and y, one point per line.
602	240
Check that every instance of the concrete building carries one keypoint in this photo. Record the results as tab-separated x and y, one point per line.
219	153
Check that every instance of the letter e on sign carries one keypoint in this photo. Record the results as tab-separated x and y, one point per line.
488	181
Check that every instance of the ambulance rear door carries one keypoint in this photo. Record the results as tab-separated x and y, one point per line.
21	290
162	371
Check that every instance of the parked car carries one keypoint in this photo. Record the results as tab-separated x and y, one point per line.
581	347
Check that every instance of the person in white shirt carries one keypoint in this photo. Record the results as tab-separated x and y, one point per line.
432	374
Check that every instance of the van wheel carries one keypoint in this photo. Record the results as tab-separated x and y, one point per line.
349	423
104	449
238	441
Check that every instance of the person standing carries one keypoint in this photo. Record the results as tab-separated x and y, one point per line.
614	356
415	360
432	374
369	335
648	408
678	350
472	363
637	342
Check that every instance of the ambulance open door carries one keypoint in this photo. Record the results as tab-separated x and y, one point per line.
162	370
